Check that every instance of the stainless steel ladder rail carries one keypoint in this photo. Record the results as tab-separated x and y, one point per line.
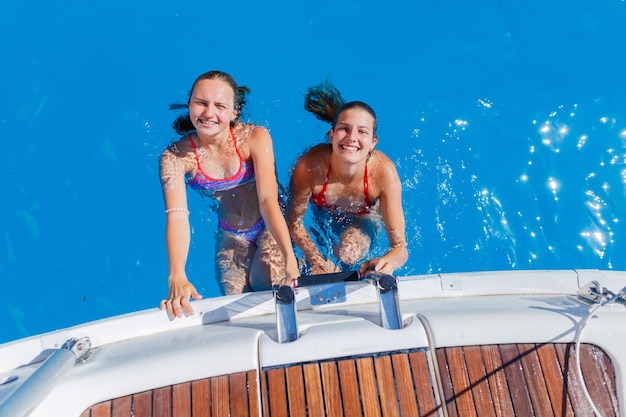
388	300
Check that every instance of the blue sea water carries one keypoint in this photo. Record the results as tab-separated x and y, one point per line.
507	121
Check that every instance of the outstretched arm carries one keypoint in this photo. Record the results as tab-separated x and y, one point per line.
393	217
301	191
262	153
177	236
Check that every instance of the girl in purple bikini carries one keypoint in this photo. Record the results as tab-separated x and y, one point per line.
232	163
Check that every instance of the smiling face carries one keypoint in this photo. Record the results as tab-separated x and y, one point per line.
212	107
353	136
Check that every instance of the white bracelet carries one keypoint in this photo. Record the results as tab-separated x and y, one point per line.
170	210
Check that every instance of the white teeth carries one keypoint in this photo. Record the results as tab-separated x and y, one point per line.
349	148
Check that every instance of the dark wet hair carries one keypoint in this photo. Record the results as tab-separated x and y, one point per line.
326	103
183	124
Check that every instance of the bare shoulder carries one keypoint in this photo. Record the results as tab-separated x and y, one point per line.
311	166
176	160
259	131
383	169
179	148
381	158
316	156
250	136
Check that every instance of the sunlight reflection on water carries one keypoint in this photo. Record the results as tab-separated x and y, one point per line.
565	201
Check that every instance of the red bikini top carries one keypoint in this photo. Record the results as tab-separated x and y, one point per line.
320	198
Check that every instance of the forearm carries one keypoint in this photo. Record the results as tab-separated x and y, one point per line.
302	239
388	263
275	223
397	257
177	240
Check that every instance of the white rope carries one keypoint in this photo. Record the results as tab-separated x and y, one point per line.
577	338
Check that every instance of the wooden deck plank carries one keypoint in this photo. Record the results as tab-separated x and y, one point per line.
181	399
121	407
580	405
253	397
142	404
404	383
265	400
201	398
367	385
534	379
608	367
313	389
594	380
220	400
555	383
479	385
238	393
162	402
386	386
460	382
609	376
295	391
446	383
425	385
101	410
518	388
277	398
349	388
332	394
497	381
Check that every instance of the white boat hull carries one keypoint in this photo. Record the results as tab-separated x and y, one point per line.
236	335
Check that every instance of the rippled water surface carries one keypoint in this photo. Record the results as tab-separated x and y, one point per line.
507	121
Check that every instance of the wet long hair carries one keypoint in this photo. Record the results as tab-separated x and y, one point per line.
326	103
182	124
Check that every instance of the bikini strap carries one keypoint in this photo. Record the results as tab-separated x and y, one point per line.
320	198
232	135
195	151
365	188
322	193
326	181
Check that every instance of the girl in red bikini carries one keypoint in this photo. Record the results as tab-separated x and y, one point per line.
350	185
231	163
